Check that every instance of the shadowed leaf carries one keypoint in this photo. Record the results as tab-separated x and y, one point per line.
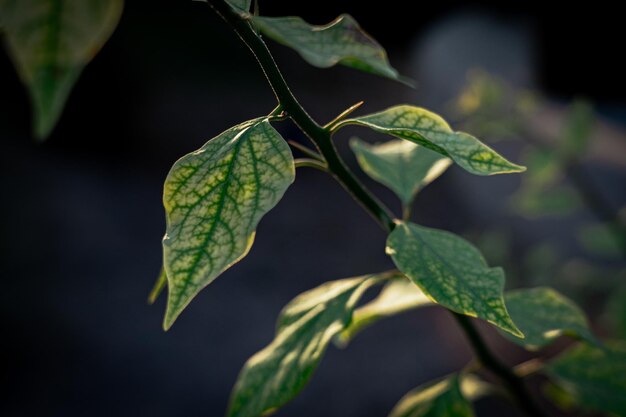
402	166
342	41
543	315
214	198
594	377
451	272
50	41
425	128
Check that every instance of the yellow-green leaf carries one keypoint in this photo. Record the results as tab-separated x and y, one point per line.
214	198
595	377
341	41
398	295
451	272
440	399
50	41
425	128
403	166
276	374
543	315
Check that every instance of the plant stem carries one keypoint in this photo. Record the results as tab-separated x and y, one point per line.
311	163
514	384
321	137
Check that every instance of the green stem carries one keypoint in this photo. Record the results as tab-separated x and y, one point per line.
514	384
321	137
311	163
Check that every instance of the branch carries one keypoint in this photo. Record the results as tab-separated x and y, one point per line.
321	137
514	384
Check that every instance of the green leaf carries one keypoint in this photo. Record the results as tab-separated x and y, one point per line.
214	198
50	41
543	315
616	311
533	202
451	272
439	399
600	239
578	128
240	5
342	41
398	295
402	166
431	131
595	377
544	168
276	374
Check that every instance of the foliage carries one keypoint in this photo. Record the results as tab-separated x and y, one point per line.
50	41
215	197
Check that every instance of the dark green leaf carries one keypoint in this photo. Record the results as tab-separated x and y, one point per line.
342	41
430	130
276	374
544	168
533	202
397	296
595	377
214	198
543	314
600	239
50	41
439	399
240	5
616	311
452	272
402	166
578	127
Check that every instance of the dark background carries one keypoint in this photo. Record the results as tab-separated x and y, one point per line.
81	216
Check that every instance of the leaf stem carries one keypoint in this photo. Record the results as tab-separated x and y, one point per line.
307	151
311	163
514	384
318	135
321	137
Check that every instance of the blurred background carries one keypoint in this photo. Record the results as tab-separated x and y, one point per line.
81	217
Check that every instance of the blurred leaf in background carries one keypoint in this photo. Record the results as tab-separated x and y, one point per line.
50	42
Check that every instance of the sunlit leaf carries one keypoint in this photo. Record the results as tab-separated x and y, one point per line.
452	272
402	166
595	377
273	376
214	198
439	399
397	296
543	315
342	41
50	41
430	130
